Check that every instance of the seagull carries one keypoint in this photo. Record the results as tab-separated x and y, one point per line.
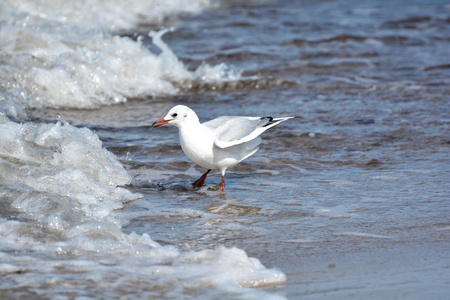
220	143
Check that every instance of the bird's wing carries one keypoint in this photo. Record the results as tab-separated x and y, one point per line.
238	130
214	123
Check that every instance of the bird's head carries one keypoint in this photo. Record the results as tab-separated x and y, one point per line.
177	116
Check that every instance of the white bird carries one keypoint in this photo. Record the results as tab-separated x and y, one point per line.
220	143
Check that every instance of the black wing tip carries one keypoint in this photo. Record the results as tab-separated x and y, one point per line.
267	119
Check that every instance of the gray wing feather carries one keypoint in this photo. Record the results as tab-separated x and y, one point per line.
232	130
239	130
214	123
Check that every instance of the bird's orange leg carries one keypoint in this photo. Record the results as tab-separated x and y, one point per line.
201	181
222	183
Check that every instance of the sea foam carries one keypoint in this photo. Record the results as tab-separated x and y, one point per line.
66	192
62	193
69	55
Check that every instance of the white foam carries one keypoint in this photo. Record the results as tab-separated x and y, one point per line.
64	161
236	265
14	147
65	55
66	187
133	257
107	15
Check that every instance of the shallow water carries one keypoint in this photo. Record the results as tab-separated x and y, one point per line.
347	200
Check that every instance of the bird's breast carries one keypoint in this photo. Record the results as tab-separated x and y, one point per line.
198	146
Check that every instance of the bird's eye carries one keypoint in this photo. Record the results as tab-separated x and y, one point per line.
174	115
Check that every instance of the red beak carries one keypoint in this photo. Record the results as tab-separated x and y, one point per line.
160	122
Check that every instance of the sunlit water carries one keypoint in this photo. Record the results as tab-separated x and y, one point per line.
348	200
